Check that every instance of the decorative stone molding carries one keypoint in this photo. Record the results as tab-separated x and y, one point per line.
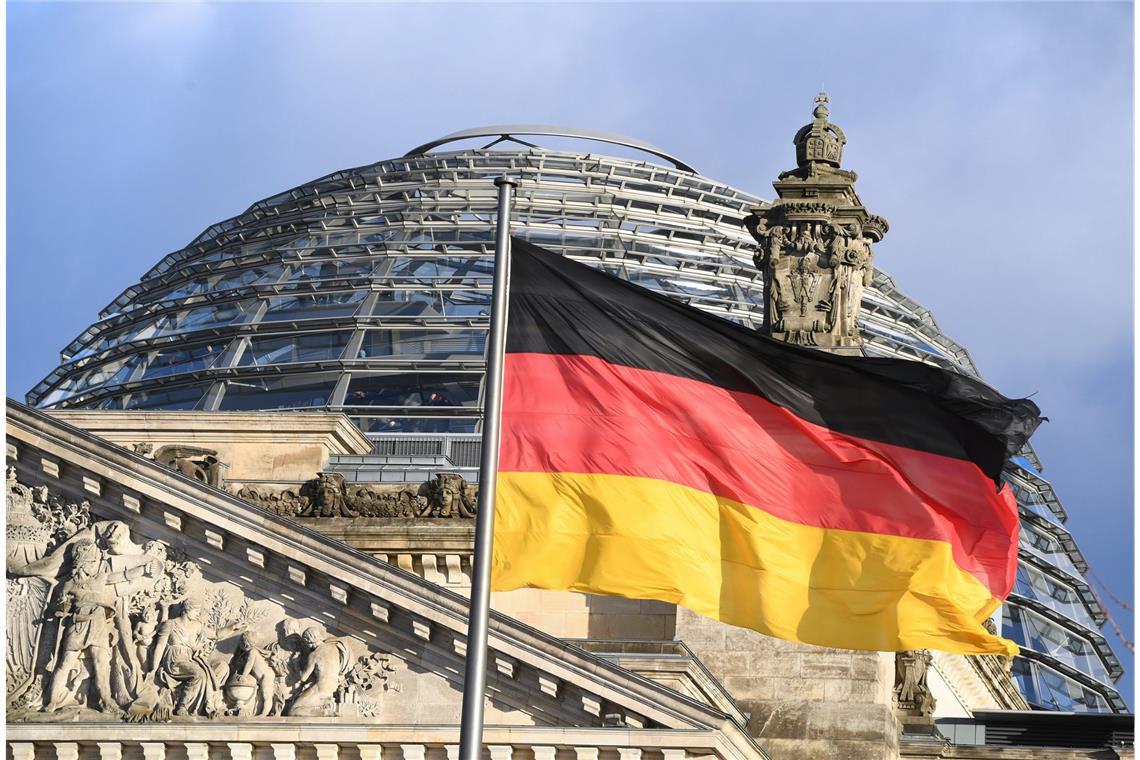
447	496
980	682
371	742
815	244
294	446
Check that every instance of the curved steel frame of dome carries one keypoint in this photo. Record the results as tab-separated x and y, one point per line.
367	292
512	132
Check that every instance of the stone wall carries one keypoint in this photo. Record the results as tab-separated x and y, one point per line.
804	702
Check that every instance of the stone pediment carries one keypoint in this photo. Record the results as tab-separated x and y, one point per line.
150	596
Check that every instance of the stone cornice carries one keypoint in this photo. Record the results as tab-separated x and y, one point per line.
323	731
333	430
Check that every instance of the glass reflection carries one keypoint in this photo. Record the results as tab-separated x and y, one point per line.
174	360
290	392
1046	689
413	389
301	348
428	344
313	306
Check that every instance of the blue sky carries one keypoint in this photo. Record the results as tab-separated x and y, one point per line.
995	138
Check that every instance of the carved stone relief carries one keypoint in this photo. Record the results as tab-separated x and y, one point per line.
201	464
912	694
448	495
100	626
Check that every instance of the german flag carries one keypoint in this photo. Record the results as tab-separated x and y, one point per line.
653	451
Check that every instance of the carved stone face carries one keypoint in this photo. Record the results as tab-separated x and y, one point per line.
328	491
312	637
155	549
447	496
85	557
116	537
191	611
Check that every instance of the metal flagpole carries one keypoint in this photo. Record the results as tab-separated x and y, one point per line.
475	670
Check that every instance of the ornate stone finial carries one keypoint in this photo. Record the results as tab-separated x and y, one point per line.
821	101
821	140
815	244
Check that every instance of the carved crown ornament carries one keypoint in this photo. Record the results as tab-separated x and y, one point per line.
815	244
820	140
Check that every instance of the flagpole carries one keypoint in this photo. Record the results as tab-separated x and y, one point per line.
475	668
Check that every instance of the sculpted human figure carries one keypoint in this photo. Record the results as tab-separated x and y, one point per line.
180	663
851	260
326	662
90	632
249	666
144	631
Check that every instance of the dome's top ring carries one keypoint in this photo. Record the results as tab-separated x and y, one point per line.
508	131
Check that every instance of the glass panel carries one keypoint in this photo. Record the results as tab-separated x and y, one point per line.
111	373
1047	547
408	303
413	389
299	348
424	344
314	306
106	375
441	270
415	424
171	361
251	276
1047	689
1034	584
203	317
1035	632
292	392
468	304
331	269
